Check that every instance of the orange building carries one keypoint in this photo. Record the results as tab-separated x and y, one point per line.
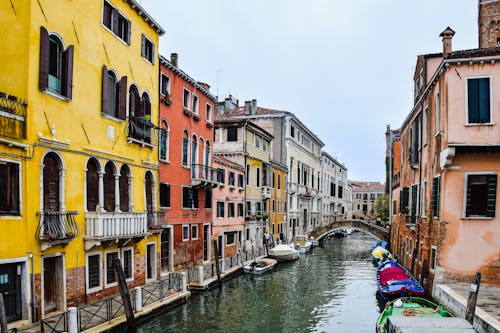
186	177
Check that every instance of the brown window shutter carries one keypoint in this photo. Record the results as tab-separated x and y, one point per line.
143	45
67	78
122	98
104	88
43	79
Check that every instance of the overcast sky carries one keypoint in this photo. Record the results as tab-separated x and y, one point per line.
345	68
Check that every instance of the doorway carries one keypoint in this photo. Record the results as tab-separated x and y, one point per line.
10	288
53	284
206	242
150	261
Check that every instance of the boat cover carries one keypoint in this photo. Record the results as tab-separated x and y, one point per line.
393	274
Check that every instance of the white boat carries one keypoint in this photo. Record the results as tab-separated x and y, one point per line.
260	266
283	252
348	231
301	243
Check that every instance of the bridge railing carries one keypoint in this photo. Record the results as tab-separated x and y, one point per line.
377	231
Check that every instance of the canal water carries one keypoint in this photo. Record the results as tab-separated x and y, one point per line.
331	289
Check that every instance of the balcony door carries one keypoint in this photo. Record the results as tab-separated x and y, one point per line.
51	183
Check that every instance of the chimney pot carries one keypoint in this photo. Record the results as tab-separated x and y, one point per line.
447	36
254	106
247	107
174	59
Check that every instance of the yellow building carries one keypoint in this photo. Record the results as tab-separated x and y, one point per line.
277	216
78	151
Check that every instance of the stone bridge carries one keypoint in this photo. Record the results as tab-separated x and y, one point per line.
370	228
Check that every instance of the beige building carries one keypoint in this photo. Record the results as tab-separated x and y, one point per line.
364	196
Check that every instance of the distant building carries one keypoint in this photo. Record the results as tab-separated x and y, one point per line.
446	160
335	190
364	197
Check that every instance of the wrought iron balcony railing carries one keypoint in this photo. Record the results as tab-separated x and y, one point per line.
203	175
12	116
57	226
141	130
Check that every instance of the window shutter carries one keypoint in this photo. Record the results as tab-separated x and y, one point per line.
195	198
473	100
129	29
122	98
67	75
43	79
492	195
484	100
143	45
468	199
104	88
167	194
114	21
152	53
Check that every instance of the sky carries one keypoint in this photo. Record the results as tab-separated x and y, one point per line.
344	68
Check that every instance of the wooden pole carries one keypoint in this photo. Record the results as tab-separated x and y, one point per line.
471	302
217	261
3	316
127	306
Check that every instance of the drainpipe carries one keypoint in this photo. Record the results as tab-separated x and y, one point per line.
33	295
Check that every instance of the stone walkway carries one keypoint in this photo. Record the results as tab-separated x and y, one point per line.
488	299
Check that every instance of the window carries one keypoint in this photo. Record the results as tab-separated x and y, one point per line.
230	209
438	113
195	104
273	206
425	126
248	175
249	207
56	65
258	177
231	178
257	141
164	85
232	134
148	49
332	190
208	198
185	99
478	100
240	209
279	181
221	175
110	271
404	199
220	209
341	192
128	264
424	200
185	145
435	196
185	233
164	195
93	272
194	232
433	258
305	141
292	131
114	94
230	238
240	180
190	198
481	195
164	142
9	188
208	112
116	22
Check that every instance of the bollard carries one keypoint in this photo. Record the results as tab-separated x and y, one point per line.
138	299
72	320
184	282
471	302
200	274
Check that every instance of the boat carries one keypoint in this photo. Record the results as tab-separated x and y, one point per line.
348	231
395	281
415	314
283	252
260	266
301	243
340	233
380	255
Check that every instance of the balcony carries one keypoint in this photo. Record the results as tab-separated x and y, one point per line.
292	188
266	192
156	219
140	131
112	226
203	176
304	191
12	117
56	228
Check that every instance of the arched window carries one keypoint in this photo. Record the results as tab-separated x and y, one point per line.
111	87
146	106
51	183
114	94
194	155
149	191
125	188
92	182
55	63
207	153
185	148
164	141
134	102
109	187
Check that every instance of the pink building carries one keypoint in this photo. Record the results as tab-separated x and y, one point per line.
228	205
445	225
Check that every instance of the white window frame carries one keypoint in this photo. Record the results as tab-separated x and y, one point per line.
155	261
195	226
433	262
492	121
195	100
132	263
161	84
234	239
209	112
257	141
185	227
94	289
188	107
153	49
105	275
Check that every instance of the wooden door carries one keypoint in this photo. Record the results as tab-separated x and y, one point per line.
10	288
50	284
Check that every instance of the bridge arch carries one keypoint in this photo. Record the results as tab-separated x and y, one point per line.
369	228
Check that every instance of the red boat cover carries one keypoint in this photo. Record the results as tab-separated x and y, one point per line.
392	274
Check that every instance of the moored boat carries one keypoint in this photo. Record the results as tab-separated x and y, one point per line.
415	314
380	255
260	266
283	252
395	281
301	243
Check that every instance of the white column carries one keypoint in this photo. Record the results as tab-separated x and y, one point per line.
184	282
62	190
101	190
200	273
117	192
130	195
72	320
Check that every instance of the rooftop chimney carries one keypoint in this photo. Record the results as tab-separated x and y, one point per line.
204	86
447	35
227	104
247	107
254	106
174	59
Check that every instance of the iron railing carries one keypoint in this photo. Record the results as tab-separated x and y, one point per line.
13	112
57	226
141	130
204	173
209	270
157	291
193	274
230	262
55	324
102	311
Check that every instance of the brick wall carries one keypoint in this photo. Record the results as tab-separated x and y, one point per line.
489	23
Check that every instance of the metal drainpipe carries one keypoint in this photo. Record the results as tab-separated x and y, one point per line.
33	295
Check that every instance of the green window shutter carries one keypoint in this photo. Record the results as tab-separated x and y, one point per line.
468	198
473	100
435	196
492	195
484	100
405	200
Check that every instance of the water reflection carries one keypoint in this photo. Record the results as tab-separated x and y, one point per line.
331	289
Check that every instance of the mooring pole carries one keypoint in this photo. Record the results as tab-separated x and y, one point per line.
3	316
217	262
471	302
127	306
